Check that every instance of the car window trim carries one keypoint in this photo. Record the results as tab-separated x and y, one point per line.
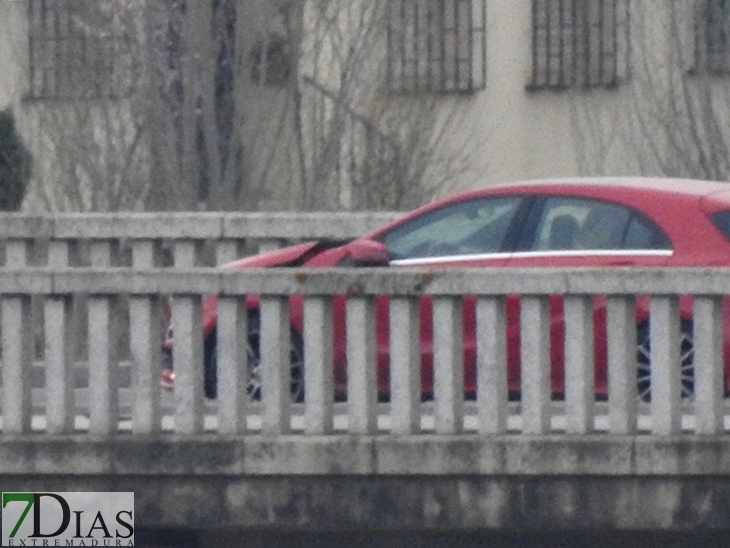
451	258
530	254
593	253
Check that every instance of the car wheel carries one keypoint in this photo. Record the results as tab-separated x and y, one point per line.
253	388
643	357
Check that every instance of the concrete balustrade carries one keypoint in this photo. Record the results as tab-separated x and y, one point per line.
405	414
181	235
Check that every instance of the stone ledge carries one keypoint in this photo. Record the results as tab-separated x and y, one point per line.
342	455
456	282
193	225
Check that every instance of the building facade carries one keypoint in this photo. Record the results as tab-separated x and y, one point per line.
359	105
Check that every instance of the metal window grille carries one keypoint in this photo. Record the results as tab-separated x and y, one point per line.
437	46
579	43
712	36
78	49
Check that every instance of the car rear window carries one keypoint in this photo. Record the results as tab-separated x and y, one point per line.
721	219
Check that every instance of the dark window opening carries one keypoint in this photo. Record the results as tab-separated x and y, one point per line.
712	37
437	46
579	43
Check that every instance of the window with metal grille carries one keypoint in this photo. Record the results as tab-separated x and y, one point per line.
579	43
712	36
437	46
81	49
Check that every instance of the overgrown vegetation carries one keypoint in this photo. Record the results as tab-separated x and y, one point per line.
15	164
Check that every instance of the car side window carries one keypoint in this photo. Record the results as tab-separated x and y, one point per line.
586	224
465	228
643	234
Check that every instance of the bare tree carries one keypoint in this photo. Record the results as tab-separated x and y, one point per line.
85	75
249	104
365	146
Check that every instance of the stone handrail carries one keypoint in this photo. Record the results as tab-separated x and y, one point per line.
492	413
258	231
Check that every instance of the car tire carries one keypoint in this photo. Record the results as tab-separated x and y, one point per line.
643	369
253	387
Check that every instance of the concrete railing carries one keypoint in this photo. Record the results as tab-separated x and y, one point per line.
448	413
132	238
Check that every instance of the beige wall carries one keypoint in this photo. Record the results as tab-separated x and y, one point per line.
13	47
536	134
510	133
525	134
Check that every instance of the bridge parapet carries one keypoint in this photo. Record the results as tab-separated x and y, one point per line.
448	413
139	239
539	462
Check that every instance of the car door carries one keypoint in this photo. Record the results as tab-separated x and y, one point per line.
579	232
474	233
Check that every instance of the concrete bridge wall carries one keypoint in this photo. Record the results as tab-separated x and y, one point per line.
569	463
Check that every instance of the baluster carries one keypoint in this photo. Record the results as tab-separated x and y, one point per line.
535	360
448	364
405	365
708	364
145	338
17	341
184	253
275	372
318	348
665	385
269	244
59	388
58	254
361	366
143	254
622	388
232	364
492	395
100	253
16	253
579	364
187	354
103	365
226	251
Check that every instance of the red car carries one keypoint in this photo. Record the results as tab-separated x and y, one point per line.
552	223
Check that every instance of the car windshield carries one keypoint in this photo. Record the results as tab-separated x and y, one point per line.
465	228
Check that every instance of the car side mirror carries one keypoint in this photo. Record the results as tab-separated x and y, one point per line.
369	253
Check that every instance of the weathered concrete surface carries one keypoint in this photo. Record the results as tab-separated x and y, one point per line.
179	225
361	282
464	481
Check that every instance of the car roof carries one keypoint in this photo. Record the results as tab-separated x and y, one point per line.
689	187
649	190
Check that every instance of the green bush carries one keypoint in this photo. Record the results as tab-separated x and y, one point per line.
15	164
